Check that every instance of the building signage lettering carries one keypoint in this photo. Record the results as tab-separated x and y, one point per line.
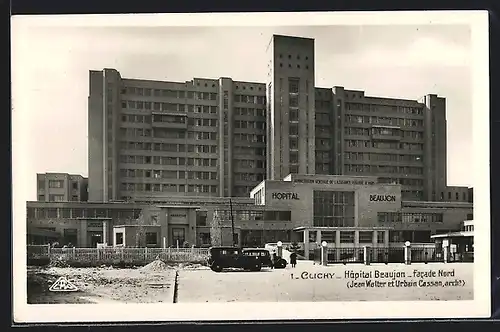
382	198
283	196
345	181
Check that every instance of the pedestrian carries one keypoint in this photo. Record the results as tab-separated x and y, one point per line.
293	259
275	259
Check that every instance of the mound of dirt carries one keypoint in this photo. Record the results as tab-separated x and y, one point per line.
155	266
58	263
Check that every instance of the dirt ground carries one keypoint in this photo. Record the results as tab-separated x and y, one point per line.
289	284
148	284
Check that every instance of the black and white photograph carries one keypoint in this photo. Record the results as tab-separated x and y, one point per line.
213	166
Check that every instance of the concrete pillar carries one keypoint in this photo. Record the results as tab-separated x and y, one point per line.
105	234
375	238
82	234
306	244
356	238
386	238
318	237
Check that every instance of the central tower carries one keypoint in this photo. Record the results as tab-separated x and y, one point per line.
290	107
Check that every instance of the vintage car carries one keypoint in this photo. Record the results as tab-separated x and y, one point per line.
263	254
232	257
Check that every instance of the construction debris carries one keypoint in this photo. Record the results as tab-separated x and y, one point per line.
155	266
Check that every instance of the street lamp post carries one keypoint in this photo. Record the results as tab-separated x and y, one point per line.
280	248
323	252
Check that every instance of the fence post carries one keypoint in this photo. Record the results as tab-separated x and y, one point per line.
48	251
98	254
122	254
366	255
145	253
74	253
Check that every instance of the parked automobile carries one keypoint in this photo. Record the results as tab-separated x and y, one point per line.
232	257
263	254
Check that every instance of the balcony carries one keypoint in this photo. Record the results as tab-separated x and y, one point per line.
169	120
386	133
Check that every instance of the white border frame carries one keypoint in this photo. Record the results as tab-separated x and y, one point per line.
479	307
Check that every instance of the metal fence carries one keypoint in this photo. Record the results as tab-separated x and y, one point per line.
95	256
419	254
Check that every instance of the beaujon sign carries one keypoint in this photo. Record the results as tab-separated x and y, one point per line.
382	198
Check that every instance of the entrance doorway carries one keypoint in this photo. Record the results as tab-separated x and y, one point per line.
95	238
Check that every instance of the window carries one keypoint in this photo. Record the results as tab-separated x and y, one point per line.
380	237
294	114
293	85
293	101
119	238
333	208
151	238
346	237
365	237
56	183
293	129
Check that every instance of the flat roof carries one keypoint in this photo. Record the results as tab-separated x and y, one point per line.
453	234
135	225
312	228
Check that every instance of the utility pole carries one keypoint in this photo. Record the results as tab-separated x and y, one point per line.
232	220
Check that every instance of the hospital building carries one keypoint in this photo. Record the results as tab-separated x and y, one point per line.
292	161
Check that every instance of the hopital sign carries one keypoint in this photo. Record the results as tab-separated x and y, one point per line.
285	196
382	198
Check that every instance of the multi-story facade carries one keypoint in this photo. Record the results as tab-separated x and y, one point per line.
199	138
61	187
219	137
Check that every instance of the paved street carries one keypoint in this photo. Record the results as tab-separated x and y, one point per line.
308	282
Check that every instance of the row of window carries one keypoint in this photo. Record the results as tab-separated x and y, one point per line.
163	174
375	108
249	177
249	111
384	131
169	147
56	183
158	187
379	120
245	150
260	100
242	163
367	156
456	196
384	145
169	93
401	181
243	215
168	107
43	213
384	169
250	124
252	138
158	160
402	217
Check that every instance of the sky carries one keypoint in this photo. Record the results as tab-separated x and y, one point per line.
51	66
